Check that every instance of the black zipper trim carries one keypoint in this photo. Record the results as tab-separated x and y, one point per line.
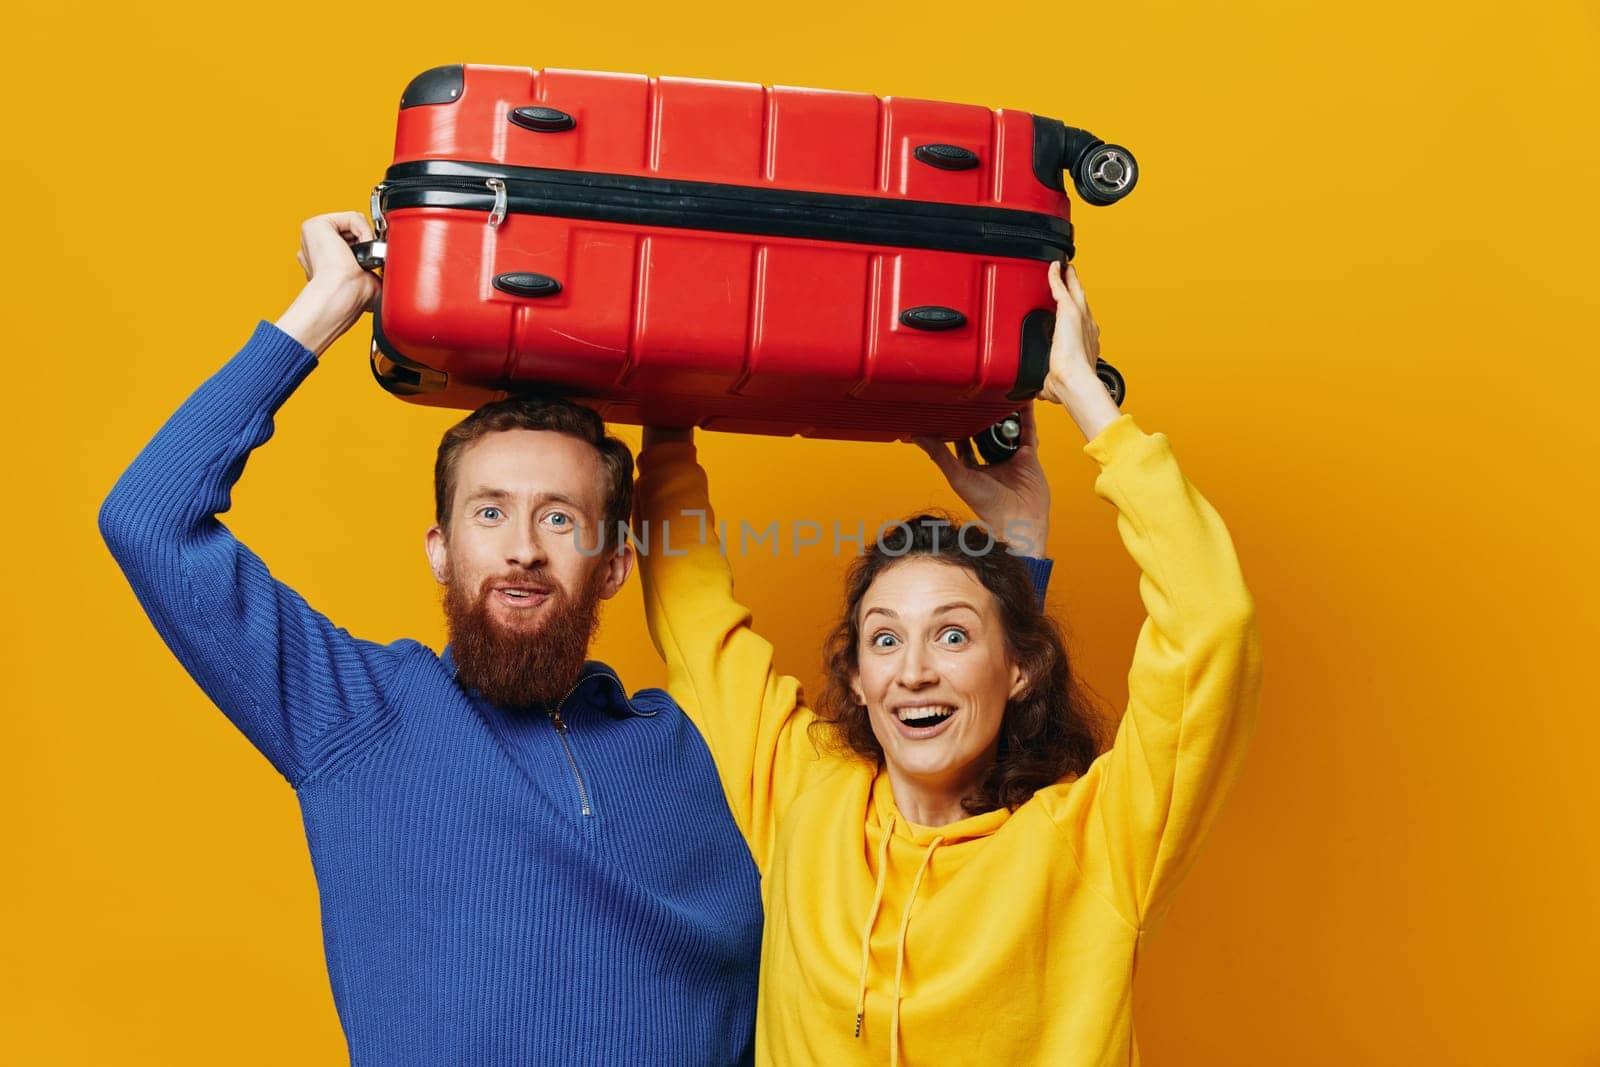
751	210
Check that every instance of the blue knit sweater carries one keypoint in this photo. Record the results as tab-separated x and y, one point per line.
494	891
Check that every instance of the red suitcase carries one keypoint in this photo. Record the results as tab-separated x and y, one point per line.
686	252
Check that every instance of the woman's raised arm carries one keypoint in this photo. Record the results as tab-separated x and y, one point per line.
1137	818
719	670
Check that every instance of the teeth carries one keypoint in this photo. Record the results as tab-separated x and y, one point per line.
518	593
926	711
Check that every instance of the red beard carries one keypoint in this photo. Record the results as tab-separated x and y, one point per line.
516	668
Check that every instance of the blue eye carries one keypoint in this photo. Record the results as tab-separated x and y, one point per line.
559	519
883	640
491	514
959	635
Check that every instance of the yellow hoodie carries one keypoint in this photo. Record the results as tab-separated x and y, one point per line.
1004	938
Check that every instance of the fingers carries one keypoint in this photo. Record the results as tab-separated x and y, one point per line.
351	225
1030	426
1067	309
1054	274
325	242
326	235
969	458
940	453
1075	290
1072	309
1091	328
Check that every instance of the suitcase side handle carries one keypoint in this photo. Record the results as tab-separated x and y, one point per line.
541	119
370	254
527	283
947	156
933	317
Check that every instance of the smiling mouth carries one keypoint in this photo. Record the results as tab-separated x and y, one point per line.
523	596
921	716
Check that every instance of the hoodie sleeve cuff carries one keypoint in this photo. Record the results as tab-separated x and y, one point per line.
1118	437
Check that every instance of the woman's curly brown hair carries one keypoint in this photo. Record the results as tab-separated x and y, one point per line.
1050	732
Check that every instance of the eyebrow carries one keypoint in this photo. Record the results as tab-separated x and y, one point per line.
941	609
489	493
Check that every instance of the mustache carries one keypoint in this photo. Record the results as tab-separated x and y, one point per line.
539	577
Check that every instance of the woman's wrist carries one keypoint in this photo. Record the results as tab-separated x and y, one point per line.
1087	402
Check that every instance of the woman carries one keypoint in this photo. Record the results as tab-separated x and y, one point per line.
955	874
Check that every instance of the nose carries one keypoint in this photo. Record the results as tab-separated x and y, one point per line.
526	549
916	668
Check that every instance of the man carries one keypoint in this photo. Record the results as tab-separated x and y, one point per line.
518	862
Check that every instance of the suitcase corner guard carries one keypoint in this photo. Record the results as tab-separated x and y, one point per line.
440	85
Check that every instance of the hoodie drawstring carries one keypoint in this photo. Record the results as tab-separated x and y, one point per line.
900	949
872	918
900	955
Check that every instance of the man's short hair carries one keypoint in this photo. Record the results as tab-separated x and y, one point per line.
534	411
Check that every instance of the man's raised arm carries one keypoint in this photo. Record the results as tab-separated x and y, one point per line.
304	692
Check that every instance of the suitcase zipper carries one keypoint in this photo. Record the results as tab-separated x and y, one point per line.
737	209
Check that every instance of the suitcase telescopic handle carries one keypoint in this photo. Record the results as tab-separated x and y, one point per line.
1104	173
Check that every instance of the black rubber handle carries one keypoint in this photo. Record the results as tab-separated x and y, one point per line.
932	317
542	119
370	254
946	156
527	283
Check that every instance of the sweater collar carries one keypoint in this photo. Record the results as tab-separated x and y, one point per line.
597	686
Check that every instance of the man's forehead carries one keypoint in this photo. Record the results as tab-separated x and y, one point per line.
531	462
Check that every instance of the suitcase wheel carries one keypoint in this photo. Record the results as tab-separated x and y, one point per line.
1112	379
1000	442
1105	174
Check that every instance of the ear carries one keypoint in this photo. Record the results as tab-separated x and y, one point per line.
1019	682
855	689
438	554
618	566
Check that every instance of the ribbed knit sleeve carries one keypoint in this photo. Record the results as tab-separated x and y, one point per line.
305	692
1137	818
1039	573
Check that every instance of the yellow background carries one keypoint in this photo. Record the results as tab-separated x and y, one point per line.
1356	287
